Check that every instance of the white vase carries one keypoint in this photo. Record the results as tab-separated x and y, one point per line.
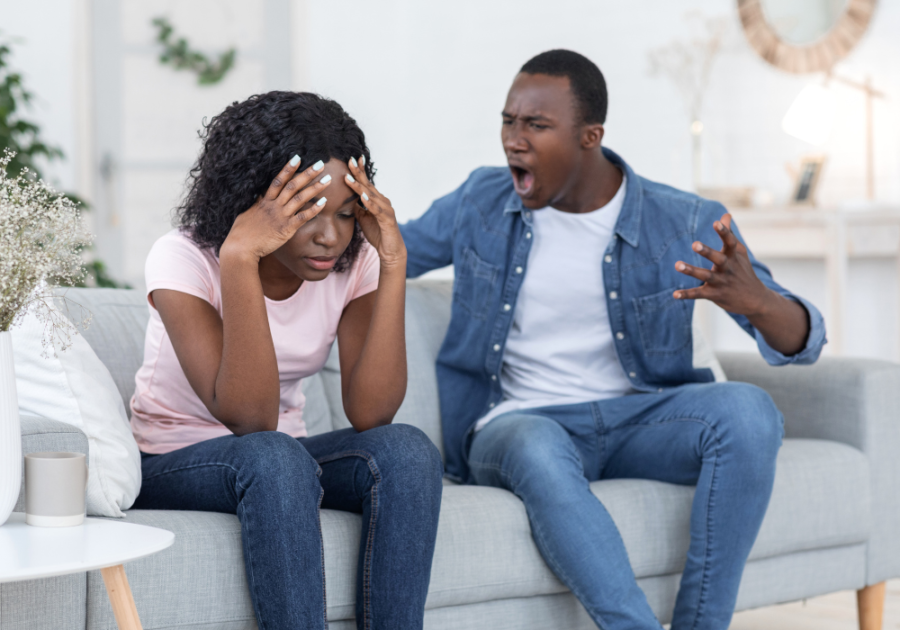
10	431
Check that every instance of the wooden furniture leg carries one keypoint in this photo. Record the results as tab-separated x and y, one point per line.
870	604
120	597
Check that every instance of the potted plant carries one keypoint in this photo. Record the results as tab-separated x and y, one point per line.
42	236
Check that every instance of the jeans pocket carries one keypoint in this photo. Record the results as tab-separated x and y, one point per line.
664	322
473	286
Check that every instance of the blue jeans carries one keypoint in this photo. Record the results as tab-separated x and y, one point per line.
721	437
275	485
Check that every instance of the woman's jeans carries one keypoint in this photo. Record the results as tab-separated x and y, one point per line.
721	437
275	484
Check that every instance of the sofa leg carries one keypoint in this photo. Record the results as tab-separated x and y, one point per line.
870	604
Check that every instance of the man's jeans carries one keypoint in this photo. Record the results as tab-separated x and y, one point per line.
276	483
723	437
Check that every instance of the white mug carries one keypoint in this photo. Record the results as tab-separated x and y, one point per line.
55	485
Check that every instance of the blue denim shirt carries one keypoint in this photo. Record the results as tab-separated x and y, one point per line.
483	230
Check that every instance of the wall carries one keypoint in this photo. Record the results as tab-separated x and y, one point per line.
427	82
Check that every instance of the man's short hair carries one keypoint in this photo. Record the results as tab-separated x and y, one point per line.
586	80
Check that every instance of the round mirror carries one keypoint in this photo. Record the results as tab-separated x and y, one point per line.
804	35
802	22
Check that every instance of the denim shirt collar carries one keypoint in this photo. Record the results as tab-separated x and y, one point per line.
629	224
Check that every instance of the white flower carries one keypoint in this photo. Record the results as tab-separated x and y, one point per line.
41	237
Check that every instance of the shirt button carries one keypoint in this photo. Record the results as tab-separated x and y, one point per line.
613	295
496	347
632	374
518	270
506	307
659	390
493	377
528	235
608	258
620	336
491	405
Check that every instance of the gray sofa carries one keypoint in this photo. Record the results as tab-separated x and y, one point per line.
832	524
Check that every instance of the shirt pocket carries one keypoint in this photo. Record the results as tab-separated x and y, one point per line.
473	287
664	323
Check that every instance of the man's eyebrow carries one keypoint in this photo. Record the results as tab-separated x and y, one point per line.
535	118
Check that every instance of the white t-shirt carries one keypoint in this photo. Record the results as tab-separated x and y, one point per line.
560	348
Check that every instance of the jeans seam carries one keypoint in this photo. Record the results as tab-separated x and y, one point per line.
373	521
193	466
322	555
704	571
536	531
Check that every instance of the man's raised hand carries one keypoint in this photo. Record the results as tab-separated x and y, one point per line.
731	283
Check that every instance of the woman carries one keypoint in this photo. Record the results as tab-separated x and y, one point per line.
269	265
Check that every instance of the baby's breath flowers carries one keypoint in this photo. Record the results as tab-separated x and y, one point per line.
41	236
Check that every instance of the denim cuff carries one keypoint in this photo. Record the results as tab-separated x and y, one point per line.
814	342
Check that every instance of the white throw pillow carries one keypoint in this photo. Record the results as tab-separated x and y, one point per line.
73	386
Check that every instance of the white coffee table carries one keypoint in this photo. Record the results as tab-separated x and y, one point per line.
28	553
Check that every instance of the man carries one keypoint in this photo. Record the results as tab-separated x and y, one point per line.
569	357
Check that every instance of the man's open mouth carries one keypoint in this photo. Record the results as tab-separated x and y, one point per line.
523	180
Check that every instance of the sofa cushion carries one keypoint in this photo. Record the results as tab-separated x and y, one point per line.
116	331
820	499
485	550
427	318
116	334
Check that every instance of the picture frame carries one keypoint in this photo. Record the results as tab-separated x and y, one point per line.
807	180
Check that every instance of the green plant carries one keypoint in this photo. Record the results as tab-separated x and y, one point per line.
19	136
177	53
21	143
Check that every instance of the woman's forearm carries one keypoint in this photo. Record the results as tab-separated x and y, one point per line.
247	388
378	382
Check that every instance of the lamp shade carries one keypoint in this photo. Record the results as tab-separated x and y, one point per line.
812	115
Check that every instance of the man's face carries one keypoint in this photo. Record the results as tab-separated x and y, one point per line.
540	137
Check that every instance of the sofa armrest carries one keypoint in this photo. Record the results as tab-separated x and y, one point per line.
43	434
854	401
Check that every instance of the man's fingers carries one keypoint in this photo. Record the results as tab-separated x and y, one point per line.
723	228
715	256
283	177
697	293
704	275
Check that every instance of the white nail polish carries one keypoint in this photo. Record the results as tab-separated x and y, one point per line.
350	178
362	160
365	197
295	160
318	166
353	162
325	179
321	201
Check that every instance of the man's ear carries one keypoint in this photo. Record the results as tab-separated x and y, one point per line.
591	136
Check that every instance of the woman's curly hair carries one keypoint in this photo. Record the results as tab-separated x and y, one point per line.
246	146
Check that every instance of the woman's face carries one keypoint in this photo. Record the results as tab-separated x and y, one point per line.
314	249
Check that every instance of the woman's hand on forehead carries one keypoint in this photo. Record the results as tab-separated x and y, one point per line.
280	212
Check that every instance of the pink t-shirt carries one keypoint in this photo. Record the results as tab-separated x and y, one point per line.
166	414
